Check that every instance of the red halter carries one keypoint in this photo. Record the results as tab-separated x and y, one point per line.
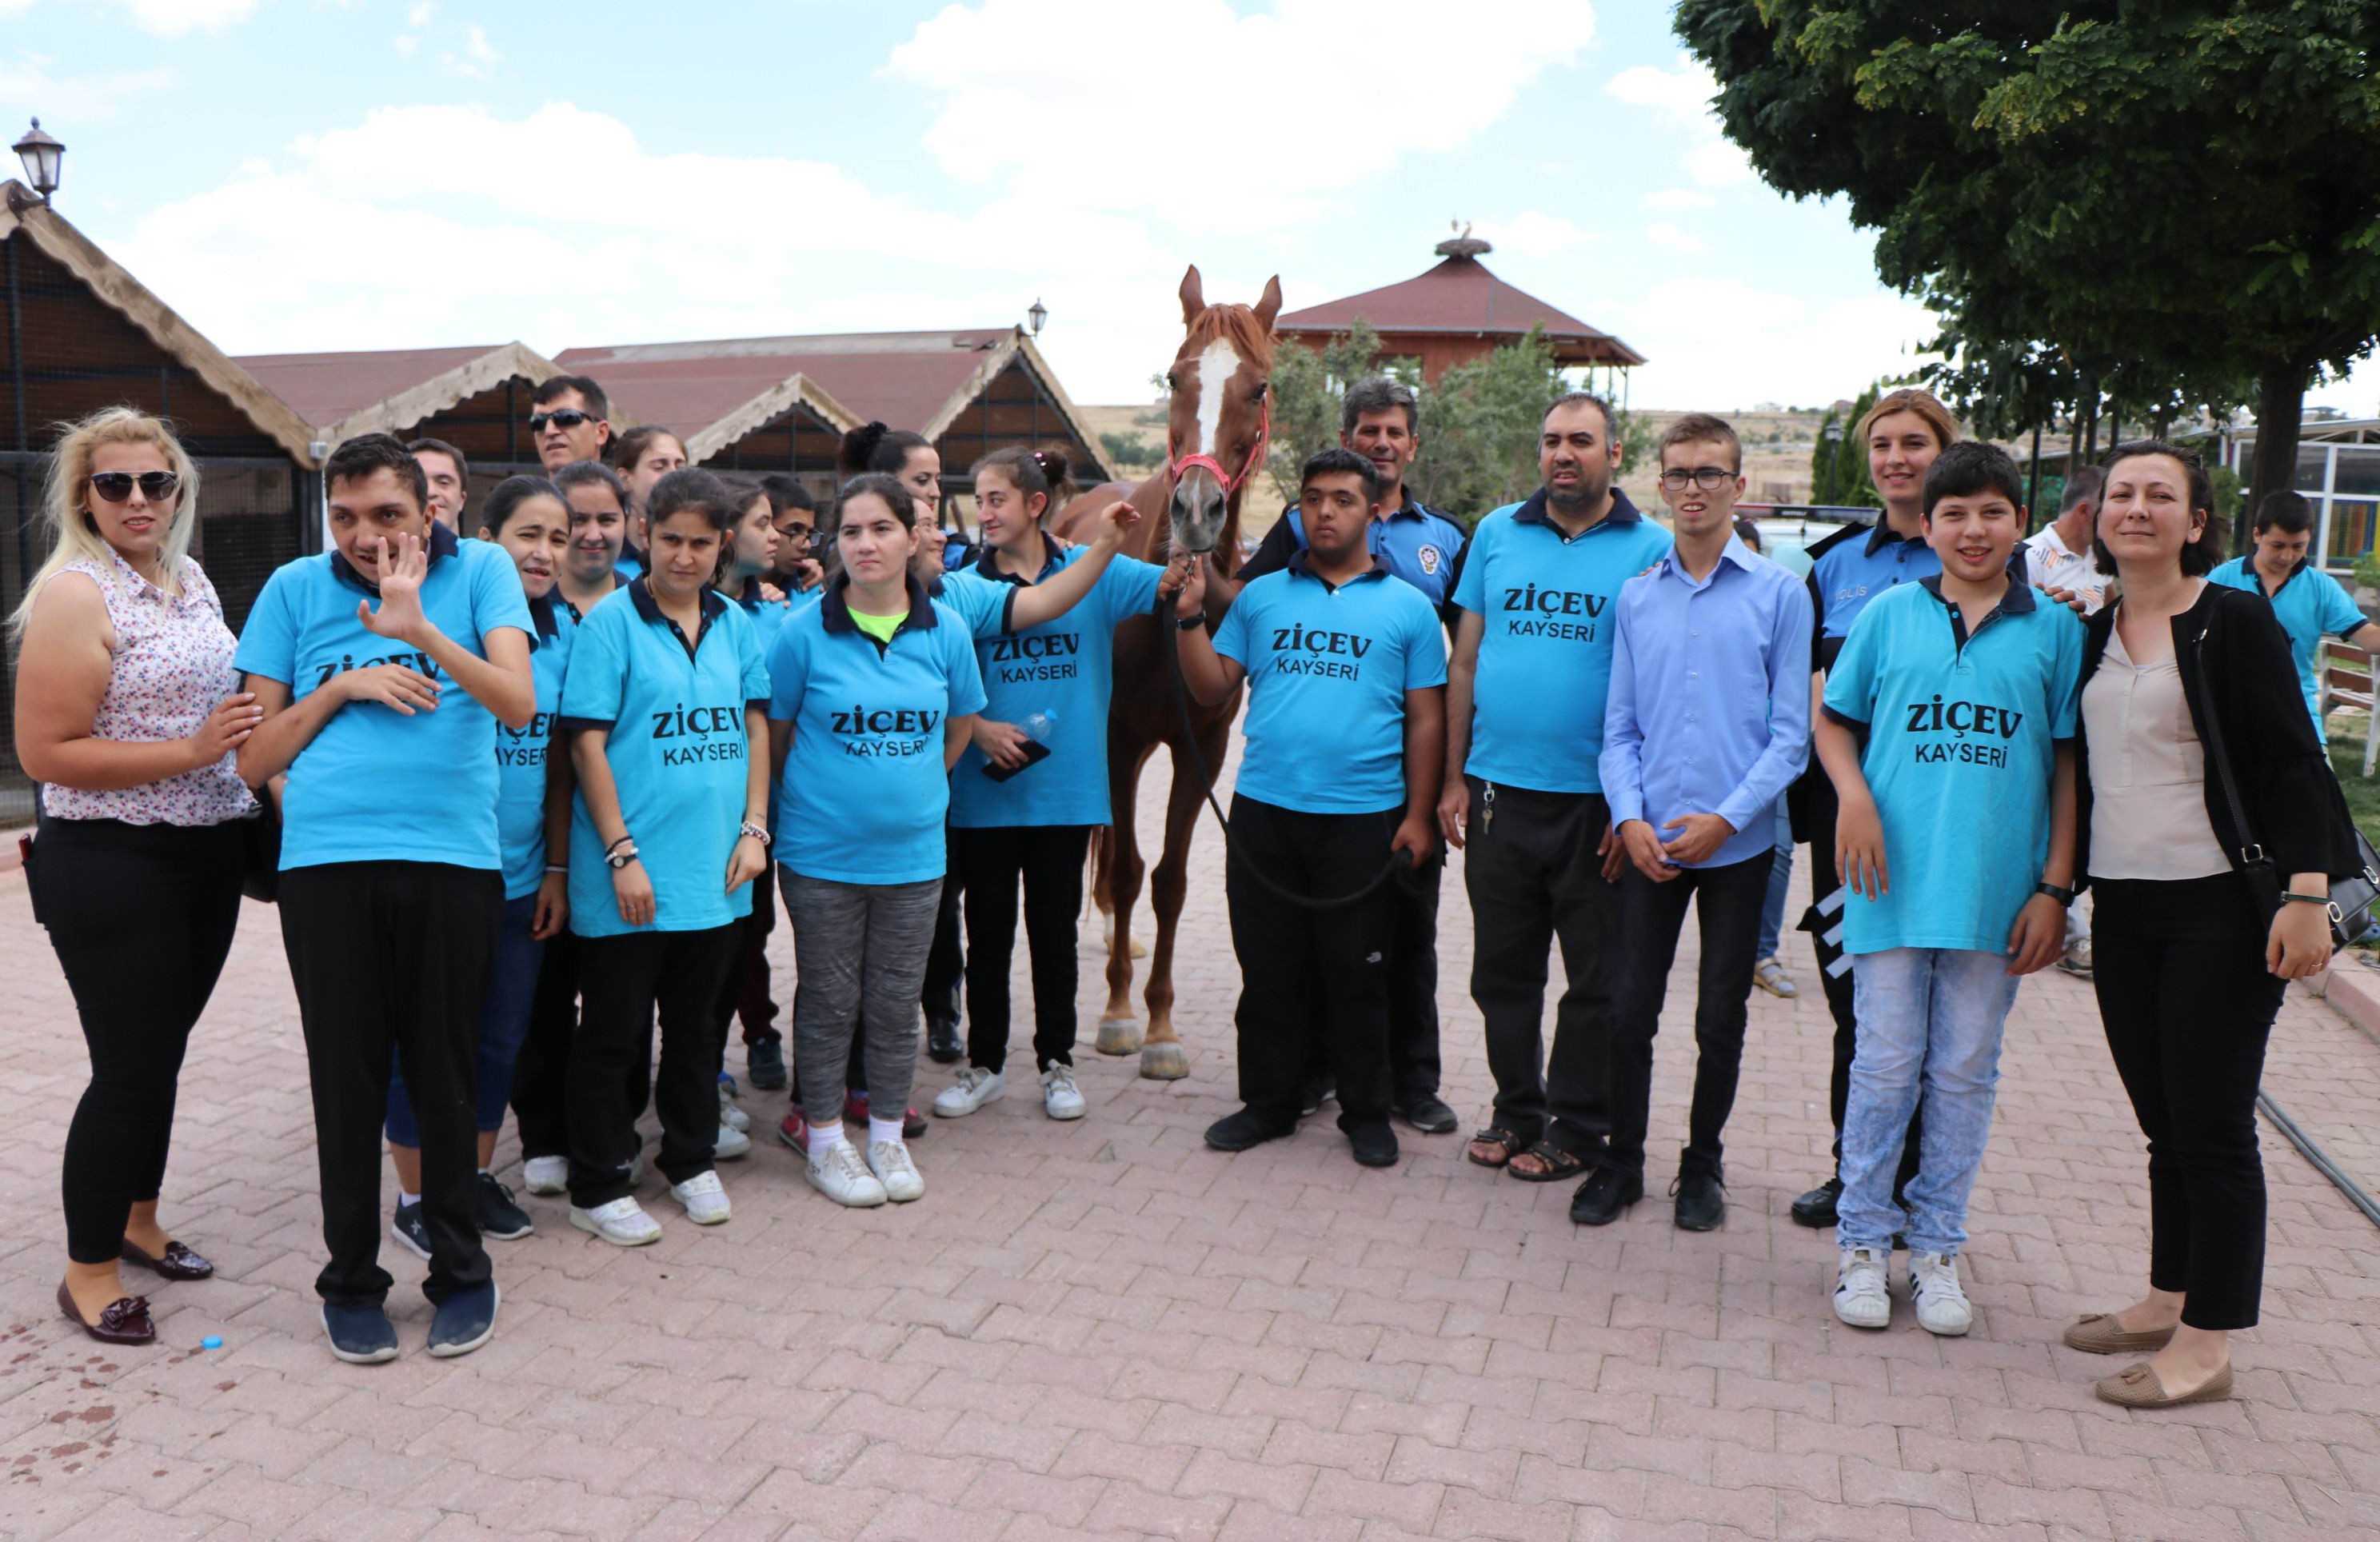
1175	466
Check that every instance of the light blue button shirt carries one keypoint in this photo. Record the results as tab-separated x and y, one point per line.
1709	711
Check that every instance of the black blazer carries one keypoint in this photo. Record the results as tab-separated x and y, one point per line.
2292	799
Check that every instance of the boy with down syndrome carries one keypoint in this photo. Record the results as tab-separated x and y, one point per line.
1956	840
1707	721
1346	673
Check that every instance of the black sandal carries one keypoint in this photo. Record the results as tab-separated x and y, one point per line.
1561	1165
1505	1142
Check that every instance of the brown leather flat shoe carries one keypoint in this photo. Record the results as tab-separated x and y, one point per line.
124	1321
179	1262
2138	1387
2099	1333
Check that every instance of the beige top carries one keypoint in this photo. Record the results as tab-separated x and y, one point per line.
2148	773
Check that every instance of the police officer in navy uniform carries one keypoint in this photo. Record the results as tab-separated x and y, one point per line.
1379	421
1901	434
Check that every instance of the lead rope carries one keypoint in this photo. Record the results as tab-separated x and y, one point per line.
1397	867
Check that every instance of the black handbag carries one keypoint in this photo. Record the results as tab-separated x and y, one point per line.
2351	897
260	877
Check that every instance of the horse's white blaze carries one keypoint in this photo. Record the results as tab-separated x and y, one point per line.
1217	365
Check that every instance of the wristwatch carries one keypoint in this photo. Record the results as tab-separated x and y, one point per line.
619	853
1189	623
2063	896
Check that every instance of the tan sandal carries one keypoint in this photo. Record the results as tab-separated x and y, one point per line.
2138	1387
2099	1333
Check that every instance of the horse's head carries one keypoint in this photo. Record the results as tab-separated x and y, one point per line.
1219	420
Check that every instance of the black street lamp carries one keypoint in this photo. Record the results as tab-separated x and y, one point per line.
1039	314
42	156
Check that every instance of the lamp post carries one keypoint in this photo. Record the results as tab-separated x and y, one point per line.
42	156
1834	462
1039	314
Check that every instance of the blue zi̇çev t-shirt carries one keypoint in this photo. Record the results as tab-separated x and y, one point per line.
1962	736
675	744
1064	668
524	755
864	794
375	785
1327	672
2310	604
1545	651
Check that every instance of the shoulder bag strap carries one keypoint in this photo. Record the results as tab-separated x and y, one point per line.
2250	854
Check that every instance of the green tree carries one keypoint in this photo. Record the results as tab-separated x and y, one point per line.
1480	428
1839	473
2160	204
1129	450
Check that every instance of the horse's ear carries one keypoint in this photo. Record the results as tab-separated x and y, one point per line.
1269	303
1194	295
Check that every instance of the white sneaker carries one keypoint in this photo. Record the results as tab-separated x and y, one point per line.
837	1173
974	1087
546	1175
889	1159
623	1223
1863	1299
1941	1301
732	1143
1060	1099
729	1115
704	1198
1770	976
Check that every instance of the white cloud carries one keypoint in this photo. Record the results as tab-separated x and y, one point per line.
1533	234
1680	101
1203	133
1678	198
1717	162
1721	344
479	55
171	19
27	83
1664	232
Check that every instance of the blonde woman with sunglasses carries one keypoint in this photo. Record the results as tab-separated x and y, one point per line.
129	716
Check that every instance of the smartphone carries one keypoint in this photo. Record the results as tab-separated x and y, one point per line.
1035	751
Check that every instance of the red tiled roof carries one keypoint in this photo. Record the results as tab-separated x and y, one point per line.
905	379
325	388
1460	296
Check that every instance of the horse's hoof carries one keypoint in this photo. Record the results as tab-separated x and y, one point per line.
1164	1063
1119	1036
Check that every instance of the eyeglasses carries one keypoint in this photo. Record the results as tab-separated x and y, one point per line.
794	532
116	486
565	419
1710	479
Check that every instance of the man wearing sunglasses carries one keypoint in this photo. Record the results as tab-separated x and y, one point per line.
570	420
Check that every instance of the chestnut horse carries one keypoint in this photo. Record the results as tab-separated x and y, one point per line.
1215	439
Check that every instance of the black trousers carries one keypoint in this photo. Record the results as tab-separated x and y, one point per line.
2188	1005
1305	972
1533	877
393	957
1728	902
748	996
1822	920
1413	983
138	987
626	982
542	1072
946	962
990	864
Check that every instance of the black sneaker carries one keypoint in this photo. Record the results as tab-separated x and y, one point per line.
464	1322
1701	1202
764	1064
406	1227
499	1217
1374	1144
944	1044
1428	1112
1607	1191
1816	1207
360	1335
1240	1131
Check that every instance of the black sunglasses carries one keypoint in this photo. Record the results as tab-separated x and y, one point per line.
565	419
116	486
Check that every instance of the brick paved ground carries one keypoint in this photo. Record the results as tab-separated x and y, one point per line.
1103	1329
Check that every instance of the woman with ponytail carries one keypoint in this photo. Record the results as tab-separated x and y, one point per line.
1034	781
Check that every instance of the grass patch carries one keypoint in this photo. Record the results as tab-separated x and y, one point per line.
2362	797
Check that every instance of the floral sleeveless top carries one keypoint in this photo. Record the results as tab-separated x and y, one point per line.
172	667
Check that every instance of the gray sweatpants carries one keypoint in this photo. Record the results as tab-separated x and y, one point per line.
859	957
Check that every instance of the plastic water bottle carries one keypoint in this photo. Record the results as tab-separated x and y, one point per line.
1037	730
1041	725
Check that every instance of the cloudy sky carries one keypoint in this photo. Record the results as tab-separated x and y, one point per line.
296	175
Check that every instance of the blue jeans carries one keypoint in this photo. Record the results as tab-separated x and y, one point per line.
1780	878
503	1023
1929	1025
